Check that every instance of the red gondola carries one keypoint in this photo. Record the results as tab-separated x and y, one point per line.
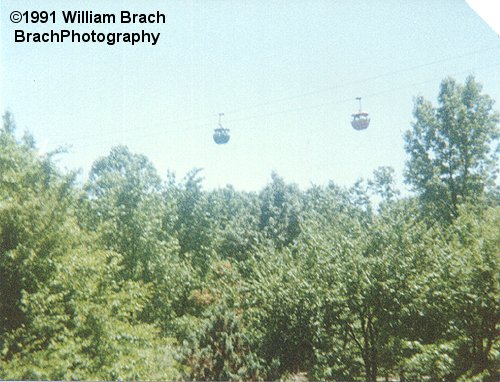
360	120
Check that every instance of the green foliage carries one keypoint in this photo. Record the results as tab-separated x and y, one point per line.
235	217
432	362
290	313
125	207
35	230
65	311
222	351
383	184
280	211
473	271
193	224
449	148
129	277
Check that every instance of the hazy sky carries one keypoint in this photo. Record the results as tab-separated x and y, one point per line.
285	73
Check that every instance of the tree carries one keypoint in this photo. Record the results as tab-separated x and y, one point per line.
280	211
193	226
473	271
65	313
383	185
449	147
222	348
125	206
34	202
236	221
453	329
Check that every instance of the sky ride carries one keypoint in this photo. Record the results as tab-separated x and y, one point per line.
360	121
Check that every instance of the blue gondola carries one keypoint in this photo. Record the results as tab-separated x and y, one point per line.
221	134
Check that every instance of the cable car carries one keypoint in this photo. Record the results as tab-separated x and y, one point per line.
221	134
360	120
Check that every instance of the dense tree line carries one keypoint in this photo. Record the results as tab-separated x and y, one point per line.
133	277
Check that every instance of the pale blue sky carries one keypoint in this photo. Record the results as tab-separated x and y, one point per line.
285	73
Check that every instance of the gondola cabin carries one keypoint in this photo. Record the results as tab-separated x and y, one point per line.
221	134
360	120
